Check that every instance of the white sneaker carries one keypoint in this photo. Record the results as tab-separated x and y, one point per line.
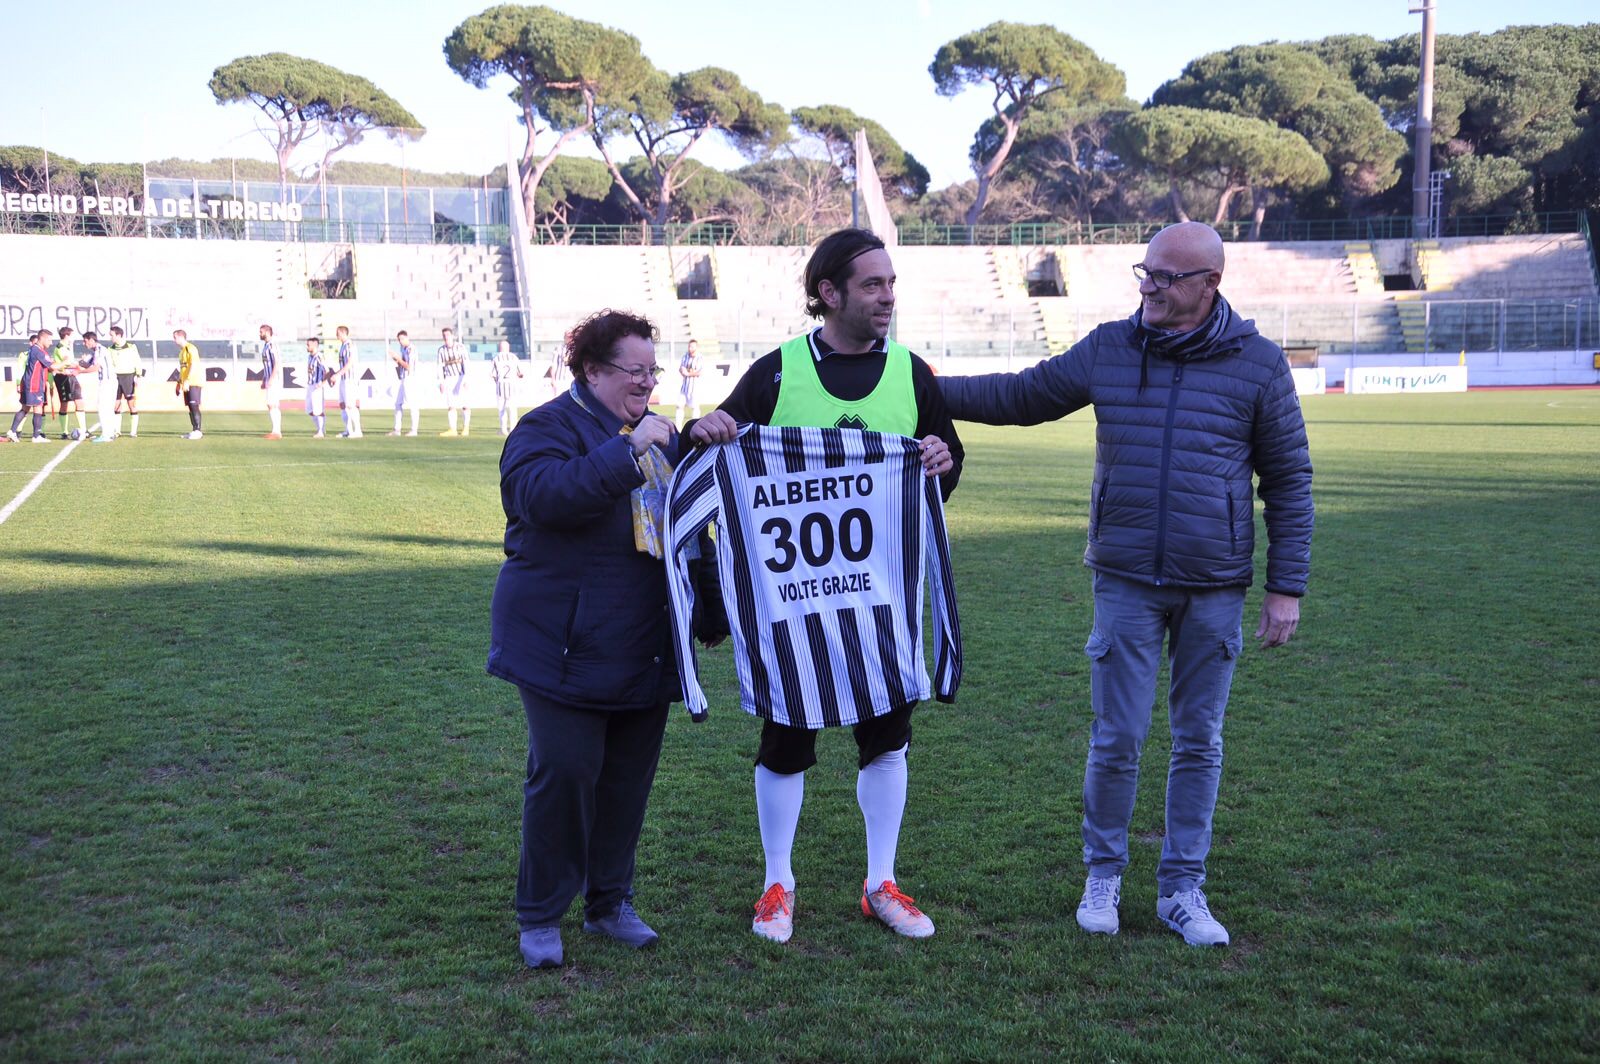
12	436
1187	913
1097	912
195	435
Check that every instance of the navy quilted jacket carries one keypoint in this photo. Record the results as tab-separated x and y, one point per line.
579	615
1171	502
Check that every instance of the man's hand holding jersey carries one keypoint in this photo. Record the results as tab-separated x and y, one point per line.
715	427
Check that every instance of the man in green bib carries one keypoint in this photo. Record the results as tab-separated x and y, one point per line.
844	374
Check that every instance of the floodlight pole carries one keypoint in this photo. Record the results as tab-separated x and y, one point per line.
1422	150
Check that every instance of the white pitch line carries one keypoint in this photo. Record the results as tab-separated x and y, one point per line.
261	465
33	485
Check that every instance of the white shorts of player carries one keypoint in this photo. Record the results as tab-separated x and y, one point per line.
348	396
404	397
504	391
455	390
314	399
106	397
274	391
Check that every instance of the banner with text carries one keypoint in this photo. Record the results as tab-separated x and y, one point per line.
1374	380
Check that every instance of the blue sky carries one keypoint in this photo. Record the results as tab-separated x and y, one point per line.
140	91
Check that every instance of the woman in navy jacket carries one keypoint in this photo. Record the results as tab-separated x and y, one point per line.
581	626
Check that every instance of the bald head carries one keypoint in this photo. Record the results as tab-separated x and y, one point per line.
1195	244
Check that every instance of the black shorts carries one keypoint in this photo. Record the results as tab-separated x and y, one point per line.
787	750
125	385
67	387
191	395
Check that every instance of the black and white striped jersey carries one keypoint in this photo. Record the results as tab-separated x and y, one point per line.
823	536
452	361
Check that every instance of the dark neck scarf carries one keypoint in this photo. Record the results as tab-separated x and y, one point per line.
1199	341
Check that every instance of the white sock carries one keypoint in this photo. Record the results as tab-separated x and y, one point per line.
355	421
135	423
277	420
415	415
82	424
778	800
466	419
397	422
881	793
451	417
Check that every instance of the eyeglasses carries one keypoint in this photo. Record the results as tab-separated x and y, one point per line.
1161	278
640	374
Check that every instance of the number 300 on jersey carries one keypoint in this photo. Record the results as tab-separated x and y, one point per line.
818	540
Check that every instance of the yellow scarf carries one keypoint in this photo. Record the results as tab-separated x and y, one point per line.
650	500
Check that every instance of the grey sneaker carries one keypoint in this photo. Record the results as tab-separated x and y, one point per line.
1097	912
1187	913
541	947
623	925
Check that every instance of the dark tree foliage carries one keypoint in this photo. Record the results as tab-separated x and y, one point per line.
1292	87
1020	65
1516	112
302	97
835	127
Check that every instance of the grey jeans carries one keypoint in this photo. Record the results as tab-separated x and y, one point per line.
1202	629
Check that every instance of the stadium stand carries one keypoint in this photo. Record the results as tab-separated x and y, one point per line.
1013	302
1546	266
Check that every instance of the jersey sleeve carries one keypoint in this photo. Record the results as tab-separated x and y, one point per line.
692	503
941	576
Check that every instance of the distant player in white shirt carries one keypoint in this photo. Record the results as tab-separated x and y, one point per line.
453	383
97	360
271	383
347	370
405	386
507	371
316	380
689	376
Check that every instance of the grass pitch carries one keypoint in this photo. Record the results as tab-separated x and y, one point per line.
257	798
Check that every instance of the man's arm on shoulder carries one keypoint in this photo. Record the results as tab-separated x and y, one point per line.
1052	389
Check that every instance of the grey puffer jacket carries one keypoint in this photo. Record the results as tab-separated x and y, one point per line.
1171	502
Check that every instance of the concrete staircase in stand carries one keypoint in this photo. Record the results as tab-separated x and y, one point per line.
1429	268
1364	270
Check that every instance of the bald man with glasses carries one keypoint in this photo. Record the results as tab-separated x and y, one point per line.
1195	413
